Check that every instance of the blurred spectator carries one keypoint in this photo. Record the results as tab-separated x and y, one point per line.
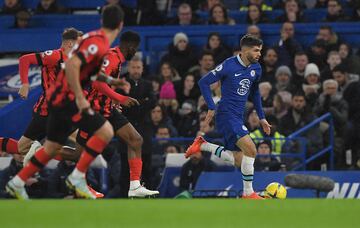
187	90
283	76
168	73
265	162
216	46
300	62
333	60
158	117
265	92
269	65
329	36
255	15
281	103
348	59
317	53
206	63
180	54
22	19
356	14
192	169
259	3
254	30
335	12
253	121
287	46
168	98
155	82
187	121
206	5
292	13
50	7
184	16
12	7
162	139
321	4
218	15
312	85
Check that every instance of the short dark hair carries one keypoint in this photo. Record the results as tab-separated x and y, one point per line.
300	53
340	68
130	37
71	34
299	93
250	41
326	27
112	16
206	52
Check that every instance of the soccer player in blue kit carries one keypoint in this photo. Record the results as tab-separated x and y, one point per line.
239	76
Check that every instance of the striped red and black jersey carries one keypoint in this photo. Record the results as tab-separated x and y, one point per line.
112	67
50	62
91	51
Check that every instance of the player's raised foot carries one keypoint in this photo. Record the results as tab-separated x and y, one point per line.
34	147
195	147
17	192
252	196
98	195
141	192
79	187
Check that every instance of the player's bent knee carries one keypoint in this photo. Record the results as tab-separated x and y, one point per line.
24	145
106	132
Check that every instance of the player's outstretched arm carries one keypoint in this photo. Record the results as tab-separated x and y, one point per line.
24	63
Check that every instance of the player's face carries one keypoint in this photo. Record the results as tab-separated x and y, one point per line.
253	54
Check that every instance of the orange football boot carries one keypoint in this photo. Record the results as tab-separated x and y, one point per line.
252	196
195	146
98	195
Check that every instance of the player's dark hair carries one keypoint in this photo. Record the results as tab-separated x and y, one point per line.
250	41
112	16
340	68
130	37
71	34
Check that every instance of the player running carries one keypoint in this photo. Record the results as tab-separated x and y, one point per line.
129	43
239	76
68	107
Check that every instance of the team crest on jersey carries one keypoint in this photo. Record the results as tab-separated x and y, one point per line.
252	73
48	52
244	86
106	63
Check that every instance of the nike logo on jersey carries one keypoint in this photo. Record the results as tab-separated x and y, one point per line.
237	75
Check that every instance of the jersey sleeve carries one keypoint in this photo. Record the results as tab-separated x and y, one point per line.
90	49
110	65
256	95
204	83
48	58
24	63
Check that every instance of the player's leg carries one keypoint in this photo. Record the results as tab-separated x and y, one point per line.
9	145
248	149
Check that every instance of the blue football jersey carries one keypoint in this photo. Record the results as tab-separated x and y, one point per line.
237	82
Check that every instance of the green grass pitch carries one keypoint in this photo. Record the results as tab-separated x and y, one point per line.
218	213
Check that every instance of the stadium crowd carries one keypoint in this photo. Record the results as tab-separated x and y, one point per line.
298	85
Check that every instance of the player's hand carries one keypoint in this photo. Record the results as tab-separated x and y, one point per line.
83	105
130	102
121	83
24	91
266	126
117	105
209	116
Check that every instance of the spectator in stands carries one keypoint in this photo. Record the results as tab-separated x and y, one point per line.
312	84
269	65
321	4
281	104
292	13
265	162
22	19
259	3
158	117
283	76
215	45
187	90
317	53
255	15
287	45
187	120
208	4
348	59
300	62
333	60
50	7
253	121
329	36
162	135
356	14
218	15
180	54
335	12
168	73
265	89
168	98
184	16
254	30
12	7
192	169
155	82
206	63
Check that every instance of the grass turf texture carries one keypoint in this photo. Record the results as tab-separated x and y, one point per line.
179	213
